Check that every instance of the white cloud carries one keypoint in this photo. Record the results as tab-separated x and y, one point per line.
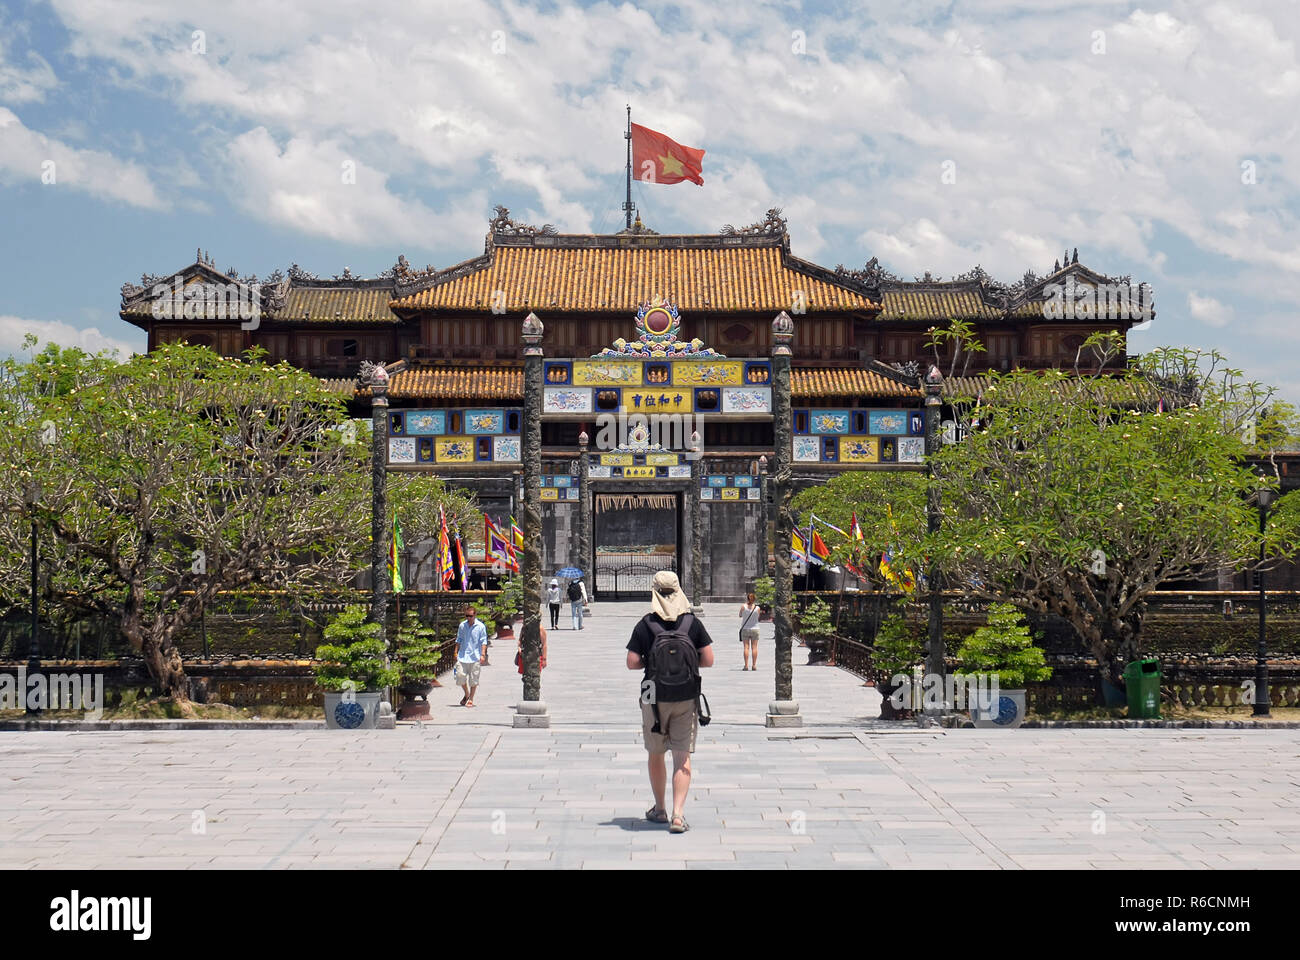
27	156
1208	311
14	329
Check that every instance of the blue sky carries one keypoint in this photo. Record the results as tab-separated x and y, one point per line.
1117	128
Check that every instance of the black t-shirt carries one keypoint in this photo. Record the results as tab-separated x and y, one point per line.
643	637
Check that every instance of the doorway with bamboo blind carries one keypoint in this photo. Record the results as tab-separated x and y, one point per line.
637	534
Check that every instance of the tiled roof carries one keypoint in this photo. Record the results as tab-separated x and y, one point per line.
458	382
964	386
337	304
620	279
935	303
846	382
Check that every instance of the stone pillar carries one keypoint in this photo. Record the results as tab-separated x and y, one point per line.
531	711
379	496
762	517
697	524
935	651
783	711
584	516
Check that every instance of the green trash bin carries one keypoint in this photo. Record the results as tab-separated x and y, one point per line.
1142	681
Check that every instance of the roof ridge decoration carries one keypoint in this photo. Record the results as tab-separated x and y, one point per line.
657	326
871	275
502	224
772	225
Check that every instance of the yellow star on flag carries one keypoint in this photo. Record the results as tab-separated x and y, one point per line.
671	166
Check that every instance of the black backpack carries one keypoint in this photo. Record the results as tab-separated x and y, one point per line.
673	667
574	592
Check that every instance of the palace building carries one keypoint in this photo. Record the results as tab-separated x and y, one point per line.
648	339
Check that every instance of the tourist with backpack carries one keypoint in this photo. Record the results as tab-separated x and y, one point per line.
671	646
577	599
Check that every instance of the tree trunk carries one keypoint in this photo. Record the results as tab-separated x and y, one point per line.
165	667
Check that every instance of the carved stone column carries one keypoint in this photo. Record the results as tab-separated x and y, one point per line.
584	516
697	524
378	378
935	651
531	711
783	711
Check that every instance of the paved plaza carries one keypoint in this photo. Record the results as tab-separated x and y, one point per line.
469	790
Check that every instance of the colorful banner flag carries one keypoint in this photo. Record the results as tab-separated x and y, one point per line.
395	548
830	526
516	535
854	529
496	546
443	572
660	159
798	549
460	560
820	551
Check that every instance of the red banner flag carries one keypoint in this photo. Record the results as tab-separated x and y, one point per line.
658	159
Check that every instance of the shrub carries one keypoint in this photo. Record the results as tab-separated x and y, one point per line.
1004	646
897	648
417	652
353	652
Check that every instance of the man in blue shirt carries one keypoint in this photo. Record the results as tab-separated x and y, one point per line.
471	636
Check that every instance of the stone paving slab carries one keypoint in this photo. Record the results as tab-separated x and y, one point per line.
467	790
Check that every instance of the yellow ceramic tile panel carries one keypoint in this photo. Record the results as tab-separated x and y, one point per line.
707	373
453	449
859	450
606	373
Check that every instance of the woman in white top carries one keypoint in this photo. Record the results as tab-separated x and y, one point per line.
553	601
749	615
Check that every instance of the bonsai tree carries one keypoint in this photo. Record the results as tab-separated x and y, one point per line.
508	603
897	649
765	592
417	652
353	654
1005	647
814	623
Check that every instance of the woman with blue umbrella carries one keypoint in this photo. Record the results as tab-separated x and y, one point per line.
577	593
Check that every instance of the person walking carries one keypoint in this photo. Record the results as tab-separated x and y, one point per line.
519	651
671	646
577	600
471	639
553	600
749	615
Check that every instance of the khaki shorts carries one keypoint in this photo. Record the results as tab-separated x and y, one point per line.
466	674
749	635
678	722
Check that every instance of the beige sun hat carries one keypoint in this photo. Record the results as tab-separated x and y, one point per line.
666	596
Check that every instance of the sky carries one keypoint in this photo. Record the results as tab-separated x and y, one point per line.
1159	139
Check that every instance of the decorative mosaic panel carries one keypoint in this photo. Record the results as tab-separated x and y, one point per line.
746	399
706	493
426	422
550	493
682	472
859	450
708	373
401	450
666	400
566	400
454	450
754	493
617	459
606	373
828	421
888	422
807	449
911	449
484	421
506	449
662	459
600	473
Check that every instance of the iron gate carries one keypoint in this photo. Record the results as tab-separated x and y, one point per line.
618	578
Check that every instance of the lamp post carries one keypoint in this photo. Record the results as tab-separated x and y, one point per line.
784	710
1262	704
762	515
584	514
531	711
697	524
935	652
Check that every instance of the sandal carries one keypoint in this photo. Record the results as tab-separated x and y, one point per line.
464	700
469	703
656	815
678	825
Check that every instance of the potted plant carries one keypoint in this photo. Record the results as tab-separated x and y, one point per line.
507	607
417	657
897	649
1003	647
353	669
765	594
815	629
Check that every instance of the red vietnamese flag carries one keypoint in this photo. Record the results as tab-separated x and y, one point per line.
657	159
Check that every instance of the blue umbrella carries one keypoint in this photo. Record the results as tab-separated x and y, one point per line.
569	573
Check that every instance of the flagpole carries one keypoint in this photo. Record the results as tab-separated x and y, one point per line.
628	206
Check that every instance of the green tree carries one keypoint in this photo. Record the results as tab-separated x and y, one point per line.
1004	646
1138	476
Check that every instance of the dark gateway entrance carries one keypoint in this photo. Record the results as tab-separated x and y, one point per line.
637	535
